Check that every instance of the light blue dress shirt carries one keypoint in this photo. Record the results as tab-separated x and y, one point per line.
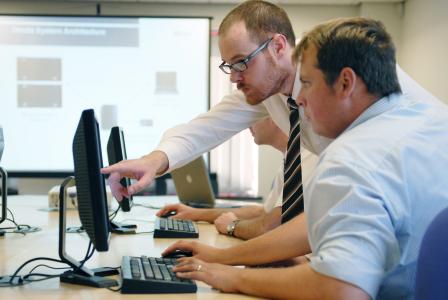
375	190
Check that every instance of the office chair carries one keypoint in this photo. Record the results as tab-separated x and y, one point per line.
432	263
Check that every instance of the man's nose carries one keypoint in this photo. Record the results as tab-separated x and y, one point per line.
300	100
235	76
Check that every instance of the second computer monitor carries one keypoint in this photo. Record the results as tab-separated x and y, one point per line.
116	152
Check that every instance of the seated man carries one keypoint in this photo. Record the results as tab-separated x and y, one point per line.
242	222
375	189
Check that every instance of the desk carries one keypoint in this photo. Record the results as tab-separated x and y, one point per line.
16	249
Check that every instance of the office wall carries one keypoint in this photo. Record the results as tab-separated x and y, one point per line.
424	47
418	28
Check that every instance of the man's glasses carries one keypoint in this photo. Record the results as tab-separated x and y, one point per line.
241	65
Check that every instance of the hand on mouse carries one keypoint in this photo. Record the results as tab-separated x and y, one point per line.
199	250
178	254
181	212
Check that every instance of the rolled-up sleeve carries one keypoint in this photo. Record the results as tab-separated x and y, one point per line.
231	115
350	228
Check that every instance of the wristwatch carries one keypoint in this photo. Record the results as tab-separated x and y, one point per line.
231	227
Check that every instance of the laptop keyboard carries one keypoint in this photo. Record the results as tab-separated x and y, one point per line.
141	275
170	228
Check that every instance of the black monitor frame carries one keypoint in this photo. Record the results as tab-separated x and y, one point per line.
116	152
92	203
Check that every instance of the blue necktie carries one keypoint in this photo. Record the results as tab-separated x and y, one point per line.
292	188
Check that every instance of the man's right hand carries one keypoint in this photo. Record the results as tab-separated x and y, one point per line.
144	170
182	212
199	250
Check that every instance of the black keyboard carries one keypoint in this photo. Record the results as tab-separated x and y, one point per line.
169	228
151	275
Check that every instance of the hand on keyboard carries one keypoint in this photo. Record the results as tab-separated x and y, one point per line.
169	228
221	277
152	275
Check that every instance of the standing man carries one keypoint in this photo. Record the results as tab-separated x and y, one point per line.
256	40
376	187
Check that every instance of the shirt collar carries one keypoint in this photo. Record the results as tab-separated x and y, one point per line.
297	84
380	106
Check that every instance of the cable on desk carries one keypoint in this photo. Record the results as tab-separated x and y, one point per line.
89	253
144	232
114	290
148	206
75	229
47	266
114	214
136	220
20	280
16	280
19	228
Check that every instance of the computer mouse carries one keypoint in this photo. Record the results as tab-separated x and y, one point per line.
179	254
169	214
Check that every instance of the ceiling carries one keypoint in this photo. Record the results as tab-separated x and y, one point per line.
329	2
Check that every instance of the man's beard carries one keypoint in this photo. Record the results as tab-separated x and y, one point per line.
273	83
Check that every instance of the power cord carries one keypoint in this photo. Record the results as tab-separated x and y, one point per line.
16	280
148	206
18	228
114	214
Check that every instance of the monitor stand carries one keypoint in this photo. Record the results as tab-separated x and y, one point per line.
116	227
4	195
79	274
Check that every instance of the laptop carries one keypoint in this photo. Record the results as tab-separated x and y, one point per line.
193	186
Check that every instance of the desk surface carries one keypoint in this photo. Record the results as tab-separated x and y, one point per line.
15	249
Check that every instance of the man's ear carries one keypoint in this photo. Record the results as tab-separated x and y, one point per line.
279	44
345	84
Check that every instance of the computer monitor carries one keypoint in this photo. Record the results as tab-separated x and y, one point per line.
92	202
116	152
90	184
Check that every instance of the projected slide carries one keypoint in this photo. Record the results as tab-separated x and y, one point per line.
143	74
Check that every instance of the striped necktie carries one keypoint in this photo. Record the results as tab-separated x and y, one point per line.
292	188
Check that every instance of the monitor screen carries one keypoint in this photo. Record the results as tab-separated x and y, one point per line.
90	183
143	74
